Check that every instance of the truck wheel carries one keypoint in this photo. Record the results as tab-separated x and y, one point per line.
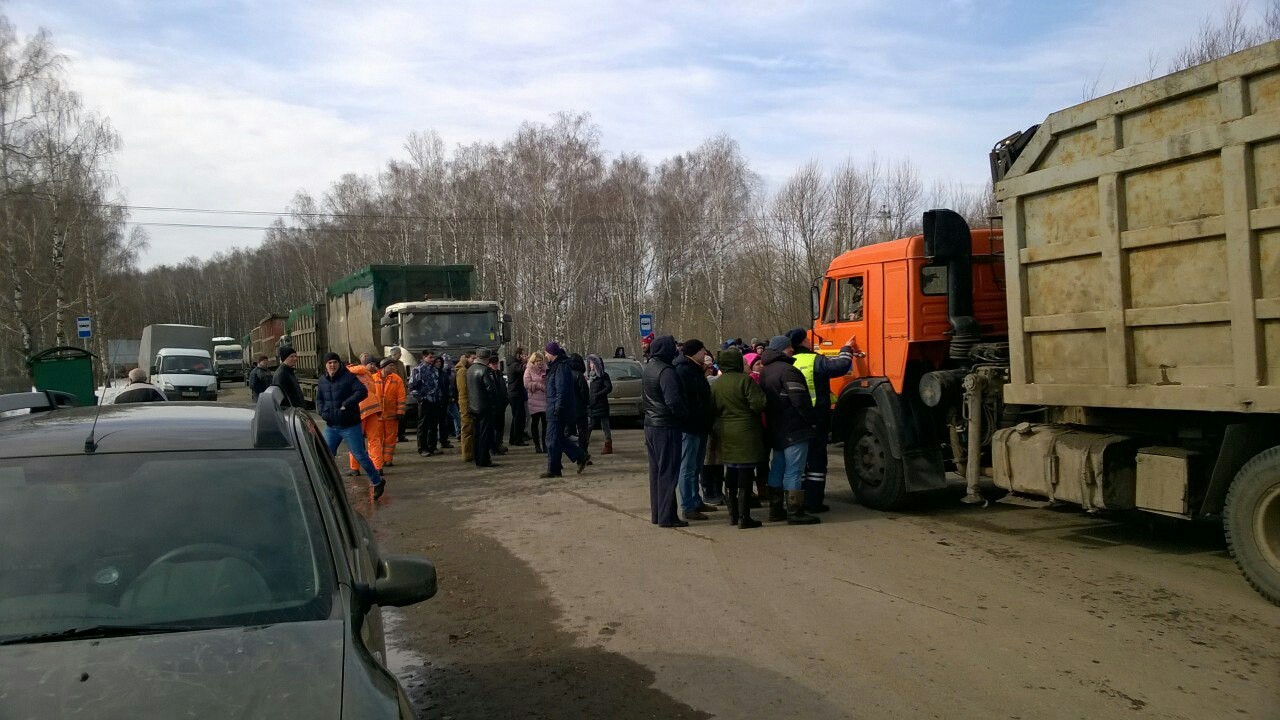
874	476
1252	522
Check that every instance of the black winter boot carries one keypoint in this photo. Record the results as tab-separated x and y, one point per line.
745	521
795	510
731	501
777	510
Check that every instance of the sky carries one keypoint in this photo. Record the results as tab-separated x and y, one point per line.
238	104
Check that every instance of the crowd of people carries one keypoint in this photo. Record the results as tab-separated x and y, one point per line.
556	399
711	425
743	429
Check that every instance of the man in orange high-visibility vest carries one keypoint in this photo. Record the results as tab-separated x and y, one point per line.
370	414
392	392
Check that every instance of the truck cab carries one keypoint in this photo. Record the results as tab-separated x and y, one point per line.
228	358
914	306
445	326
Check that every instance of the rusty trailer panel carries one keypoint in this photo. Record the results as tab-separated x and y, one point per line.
1142	236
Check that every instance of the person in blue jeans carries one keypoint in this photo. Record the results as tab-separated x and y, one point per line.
695	426
562	413
338	399
790	423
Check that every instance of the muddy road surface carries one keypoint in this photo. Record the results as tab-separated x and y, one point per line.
559	599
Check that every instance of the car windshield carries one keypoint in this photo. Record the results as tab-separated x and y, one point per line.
228	354
441	329
185	365
205	539
623	369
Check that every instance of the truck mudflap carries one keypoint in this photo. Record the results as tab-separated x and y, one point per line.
1094	470
908	435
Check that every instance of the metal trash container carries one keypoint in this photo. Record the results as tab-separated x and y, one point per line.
65	369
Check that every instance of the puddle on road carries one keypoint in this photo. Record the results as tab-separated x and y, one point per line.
409	667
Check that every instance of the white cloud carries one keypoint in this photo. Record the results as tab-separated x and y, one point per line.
242	112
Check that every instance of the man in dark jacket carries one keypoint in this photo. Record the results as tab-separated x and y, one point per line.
259	378
664	407
480	391
696	426
790	423
425	385
562	412
286	378
518	397
138	390
818	370
582	398
499	404
338	399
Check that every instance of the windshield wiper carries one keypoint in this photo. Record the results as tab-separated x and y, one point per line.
104	631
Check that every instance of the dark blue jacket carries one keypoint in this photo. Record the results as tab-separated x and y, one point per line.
338	398
562	401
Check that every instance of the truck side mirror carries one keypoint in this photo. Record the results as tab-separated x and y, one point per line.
813	299
506	328
388	333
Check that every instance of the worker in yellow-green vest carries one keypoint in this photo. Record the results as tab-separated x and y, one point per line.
818	370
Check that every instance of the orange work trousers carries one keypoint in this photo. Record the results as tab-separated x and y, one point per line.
390	434
372	428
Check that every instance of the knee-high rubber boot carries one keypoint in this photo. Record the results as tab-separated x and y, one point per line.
745	521
795	510
608	447
777	510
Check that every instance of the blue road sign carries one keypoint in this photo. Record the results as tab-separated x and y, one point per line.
646	326
84	327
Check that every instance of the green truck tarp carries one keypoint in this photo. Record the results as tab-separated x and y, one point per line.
399	283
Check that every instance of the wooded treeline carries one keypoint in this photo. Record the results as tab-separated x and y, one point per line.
575	242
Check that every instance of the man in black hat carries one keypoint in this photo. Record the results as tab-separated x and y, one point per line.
696	426
789	424
818	370
287	379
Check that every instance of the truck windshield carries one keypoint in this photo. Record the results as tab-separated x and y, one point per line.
458	328
229	354
185	365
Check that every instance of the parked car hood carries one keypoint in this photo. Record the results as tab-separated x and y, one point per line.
291	670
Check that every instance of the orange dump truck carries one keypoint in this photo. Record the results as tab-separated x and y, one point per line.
1116	345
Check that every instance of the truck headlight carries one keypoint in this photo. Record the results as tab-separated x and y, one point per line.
168	386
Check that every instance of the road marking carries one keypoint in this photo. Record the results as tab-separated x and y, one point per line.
909	600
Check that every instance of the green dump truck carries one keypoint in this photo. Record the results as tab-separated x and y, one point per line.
414	307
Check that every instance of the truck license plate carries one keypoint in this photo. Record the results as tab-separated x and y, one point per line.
190	393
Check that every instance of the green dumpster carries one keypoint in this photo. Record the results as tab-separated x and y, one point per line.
66	369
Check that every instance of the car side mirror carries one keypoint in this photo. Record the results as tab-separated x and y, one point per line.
403	580
506	328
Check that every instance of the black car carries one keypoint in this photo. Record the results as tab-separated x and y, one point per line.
189	560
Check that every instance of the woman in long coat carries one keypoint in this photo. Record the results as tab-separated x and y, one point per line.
739	428
535	383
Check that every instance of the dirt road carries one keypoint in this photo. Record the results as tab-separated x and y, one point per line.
559	599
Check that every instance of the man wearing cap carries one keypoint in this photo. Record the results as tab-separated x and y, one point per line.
663	408
480	392
696	426
391	388
818	370
286	378
338	398
562	412
789	423
394	354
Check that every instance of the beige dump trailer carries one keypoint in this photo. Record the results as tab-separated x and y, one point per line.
1142	270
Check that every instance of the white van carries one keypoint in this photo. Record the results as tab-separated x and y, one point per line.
185	374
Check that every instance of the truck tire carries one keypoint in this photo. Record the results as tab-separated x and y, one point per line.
874	475
1251	520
